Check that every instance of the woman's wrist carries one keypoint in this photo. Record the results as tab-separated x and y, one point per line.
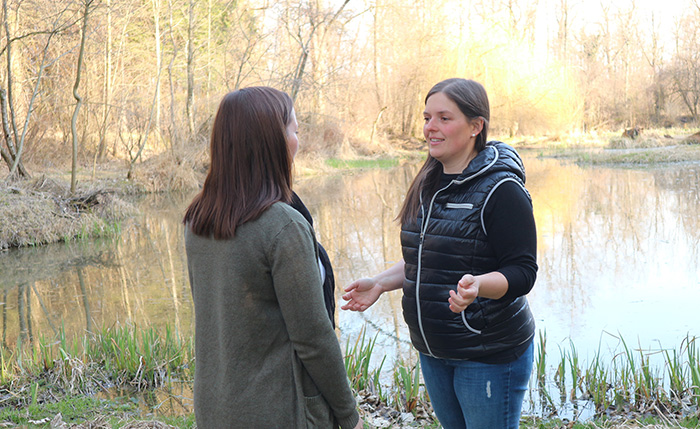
377	282
388	283
390	279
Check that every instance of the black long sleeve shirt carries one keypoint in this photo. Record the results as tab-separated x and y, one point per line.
512	235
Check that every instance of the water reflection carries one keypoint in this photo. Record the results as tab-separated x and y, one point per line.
139	278
175	399
619	254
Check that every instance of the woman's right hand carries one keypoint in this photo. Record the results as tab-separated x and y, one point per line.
361	294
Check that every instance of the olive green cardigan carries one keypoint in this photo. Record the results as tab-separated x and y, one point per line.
266	354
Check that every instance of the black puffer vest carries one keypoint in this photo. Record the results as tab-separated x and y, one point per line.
448	241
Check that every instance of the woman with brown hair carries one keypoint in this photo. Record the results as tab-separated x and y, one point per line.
266	353
469	258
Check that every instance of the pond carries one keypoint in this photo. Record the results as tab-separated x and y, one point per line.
618	255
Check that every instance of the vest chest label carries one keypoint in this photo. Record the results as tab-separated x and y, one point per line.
467	206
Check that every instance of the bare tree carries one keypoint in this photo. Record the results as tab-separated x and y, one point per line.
190	66
685	71
652	50
159	57
302	25
10	114
142	137
79	99
564	15
247	47
106	85
173	127
9	125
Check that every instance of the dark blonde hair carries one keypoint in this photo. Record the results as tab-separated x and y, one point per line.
472	100
251	164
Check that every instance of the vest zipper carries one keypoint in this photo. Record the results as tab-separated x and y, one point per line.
420	258
423	229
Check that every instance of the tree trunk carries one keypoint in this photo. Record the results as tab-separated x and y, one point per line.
143	139
190	69
106	85
78	98
159	60
209	55
315	21
14	162
174	134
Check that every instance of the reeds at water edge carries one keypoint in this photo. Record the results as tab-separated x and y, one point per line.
664	382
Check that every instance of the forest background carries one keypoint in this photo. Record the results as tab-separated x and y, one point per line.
95	89
89	82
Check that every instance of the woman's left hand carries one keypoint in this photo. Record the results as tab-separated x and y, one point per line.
466	293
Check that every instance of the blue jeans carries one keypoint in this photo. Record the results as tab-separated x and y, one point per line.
474	395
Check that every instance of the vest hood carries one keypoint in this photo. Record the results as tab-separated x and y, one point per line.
496	157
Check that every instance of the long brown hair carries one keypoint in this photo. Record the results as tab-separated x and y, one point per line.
251	164
472	100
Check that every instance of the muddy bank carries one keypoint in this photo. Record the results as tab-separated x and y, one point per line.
43	210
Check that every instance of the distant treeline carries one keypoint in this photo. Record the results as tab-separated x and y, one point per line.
86	80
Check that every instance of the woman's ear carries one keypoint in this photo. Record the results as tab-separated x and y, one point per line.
478	125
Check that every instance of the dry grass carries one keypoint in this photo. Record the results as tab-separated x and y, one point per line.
43	211
102	422
168	172
605	139
633	156
652	147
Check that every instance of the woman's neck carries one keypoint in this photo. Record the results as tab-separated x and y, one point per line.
459	167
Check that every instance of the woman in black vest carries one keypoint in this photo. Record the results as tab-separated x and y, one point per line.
469	258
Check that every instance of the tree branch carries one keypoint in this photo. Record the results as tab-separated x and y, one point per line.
30	108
